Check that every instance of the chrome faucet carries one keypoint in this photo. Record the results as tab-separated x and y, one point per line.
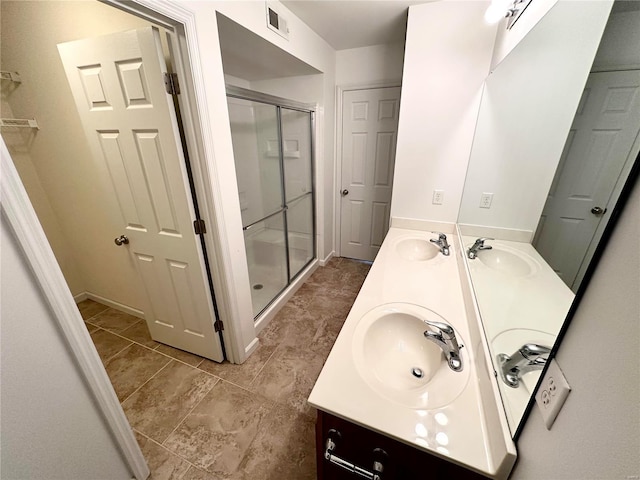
441	242
527	358
444	336
472	252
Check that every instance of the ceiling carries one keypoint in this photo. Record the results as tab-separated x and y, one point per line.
351	24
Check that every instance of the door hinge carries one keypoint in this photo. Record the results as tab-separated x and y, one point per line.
218	325
171	83
199	226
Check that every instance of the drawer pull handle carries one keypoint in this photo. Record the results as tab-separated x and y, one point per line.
330	446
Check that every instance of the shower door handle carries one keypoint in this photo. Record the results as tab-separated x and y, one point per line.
344	192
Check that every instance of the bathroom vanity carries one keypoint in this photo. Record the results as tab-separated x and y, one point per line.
386	386
369	451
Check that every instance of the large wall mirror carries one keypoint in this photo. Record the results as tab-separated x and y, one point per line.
557	136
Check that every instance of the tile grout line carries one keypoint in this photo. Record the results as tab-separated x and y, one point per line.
125	348
218	380
169	451
145	382
262	368
154	349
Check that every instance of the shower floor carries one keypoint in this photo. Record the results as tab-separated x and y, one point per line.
266	261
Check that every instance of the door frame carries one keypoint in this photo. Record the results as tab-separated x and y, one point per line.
198	129
23	221
337	210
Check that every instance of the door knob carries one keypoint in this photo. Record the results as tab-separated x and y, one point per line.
344	192
121	240
598	211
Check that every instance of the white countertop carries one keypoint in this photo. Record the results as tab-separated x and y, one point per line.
457	431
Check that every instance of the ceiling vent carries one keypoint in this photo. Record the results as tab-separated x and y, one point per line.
277	23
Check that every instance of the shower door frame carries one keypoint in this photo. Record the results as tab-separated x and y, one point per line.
279	102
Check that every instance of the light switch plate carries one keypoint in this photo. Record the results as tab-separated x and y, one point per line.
552	393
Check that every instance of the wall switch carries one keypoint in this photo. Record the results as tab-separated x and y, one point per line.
486	199
552	393
438	197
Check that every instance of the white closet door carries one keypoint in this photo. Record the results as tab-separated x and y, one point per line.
118	85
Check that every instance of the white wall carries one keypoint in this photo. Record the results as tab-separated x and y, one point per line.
527	109
596	434
620	46
447	56
370	65
51	427
18	141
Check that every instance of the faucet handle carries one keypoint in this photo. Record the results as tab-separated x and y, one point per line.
481	240
445	330
533	351
441	236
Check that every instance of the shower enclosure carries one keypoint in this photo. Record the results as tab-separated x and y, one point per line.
273	152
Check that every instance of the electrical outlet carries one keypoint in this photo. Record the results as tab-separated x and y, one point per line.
486	199
438	197
552	393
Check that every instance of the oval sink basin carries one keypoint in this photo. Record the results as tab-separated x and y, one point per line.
416	249
395	359
508	261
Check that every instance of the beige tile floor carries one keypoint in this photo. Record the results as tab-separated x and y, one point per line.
197	419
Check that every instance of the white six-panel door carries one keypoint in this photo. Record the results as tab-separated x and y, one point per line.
130	124
369	134
601	137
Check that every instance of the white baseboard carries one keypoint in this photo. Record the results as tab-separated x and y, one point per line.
113	304
81	297
326	260
251	347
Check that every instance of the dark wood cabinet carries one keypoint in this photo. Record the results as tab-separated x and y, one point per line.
356	445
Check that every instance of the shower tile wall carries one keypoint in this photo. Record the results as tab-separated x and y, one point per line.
197	419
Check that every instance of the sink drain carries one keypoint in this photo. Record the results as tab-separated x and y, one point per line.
417	372
258	286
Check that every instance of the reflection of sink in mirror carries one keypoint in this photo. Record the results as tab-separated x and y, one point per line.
416	249
395	359
508	260
509	342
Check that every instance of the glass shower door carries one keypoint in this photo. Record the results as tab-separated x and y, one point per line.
256	148
298	187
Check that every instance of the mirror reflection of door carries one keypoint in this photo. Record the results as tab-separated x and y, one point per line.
600	143
369	134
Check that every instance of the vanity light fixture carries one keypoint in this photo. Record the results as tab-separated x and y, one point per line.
511	9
